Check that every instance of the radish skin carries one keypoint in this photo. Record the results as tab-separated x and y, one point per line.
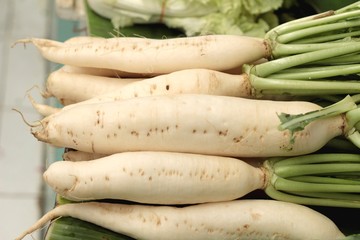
71	88
43	109
141	55
238	219
156	178
203	124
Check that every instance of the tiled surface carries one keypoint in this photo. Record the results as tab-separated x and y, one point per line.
22	157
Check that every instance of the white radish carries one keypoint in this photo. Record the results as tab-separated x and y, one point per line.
141	55
189	81
156	178
204	124
238	219
73	155
71	88
43	109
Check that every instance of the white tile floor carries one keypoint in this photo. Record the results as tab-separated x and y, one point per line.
22	157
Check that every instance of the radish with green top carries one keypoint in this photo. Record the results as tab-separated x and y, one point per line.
239	219
292	47
204	124
156	56
183	178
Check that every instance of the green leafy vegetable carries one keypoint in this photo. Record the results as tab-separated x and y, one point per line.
245	17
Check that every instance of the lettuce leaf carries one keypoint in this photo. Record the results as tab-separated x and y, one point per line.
238	17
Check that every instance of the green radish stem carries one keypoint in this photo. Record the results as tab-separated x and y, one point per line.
296	123
294	30
274	66
315	179
318	72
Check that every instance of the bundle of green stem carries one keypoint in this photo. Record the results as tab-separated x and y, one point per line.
316	55
316	179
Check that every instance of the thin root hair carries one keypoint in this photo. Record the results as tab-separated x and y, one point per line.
35	124
42	92
23	41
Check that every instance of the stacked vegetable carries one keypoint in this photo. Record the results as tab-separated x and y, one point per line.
171	147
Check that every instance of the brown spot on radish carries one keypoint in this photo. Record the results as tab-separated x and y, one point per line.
167	87
255	216
194	131
204	132
135	133
107	178
158	222
237	139
92	146
223	133
150	178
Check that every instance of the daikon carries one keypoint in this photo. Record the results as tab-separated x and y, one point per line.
240	219
156	56
181	178
70	88
155	177
204	124
189	81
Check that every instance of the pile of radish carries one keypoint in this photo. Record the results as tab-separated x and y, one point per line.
165	138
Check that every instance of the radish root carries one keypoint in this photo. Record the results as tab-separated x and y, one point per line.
36	124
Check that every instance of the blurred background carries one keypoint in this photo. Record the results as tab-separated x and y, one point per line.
23	197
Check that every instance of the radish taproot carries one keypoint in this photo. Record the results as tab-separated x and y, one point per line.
238	219
156	56
182	178
189	81
155	177
71	88
195	123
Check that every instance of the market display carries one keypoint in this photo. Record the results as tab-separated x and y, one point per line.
164	138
